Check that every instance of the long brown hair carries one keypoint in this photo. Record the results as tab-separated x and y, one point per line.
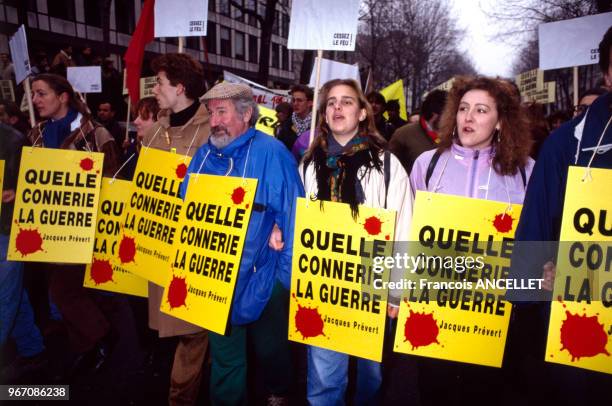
514	142
60	85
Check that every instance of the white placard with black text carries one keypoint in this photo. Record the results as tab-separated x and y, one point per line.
181	18
19	54
85	79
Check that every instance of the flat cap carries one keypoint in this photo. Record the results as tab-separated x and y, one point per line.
227	90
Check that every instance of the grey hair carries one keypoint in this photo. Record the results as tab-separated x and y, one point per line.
242	105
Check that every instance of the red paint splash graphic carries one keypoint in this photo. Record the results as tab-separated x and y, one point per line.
101	271
583	336
308	321
373	225
503	222
421	329
387	237
28	241
238	195
181	171
86	164
127	249
177	292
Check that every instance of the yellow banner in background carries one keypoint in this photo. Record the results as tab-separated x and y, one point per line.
105	272
395	91
461	319
581	314
153	210
208	249
267	120
56	204
335	301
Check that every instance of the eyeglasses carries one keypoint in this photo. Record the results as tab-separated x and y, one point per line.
580	108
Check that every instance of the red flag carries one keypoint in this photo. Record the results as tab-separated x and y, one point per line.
143	34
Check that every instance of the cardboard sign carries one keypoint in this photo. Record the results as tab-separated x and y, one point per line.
56	205
105	272
146	86
180	19
267	120
263	96
335	70
450	309
583	33
322	24
150	225
395	91
530	82
336	302
19	54
6	90
85	79
545	95
208	249
581	315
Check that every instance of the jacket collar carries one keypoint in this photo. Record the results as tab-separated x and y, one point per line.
200	117
235	147
464	152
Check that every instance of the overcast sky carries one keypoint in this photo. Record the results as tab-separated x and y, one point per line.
490	56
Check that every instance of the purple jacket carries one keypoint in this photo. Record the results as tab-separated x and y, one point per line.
466	172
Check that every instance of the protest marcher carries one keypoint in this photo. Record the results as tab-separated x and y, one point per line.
301	101
284	131
393	110
16	314
587	98
347	164
556	119
261	298
68	125
7	69
62	60
411	140
378	102
182	125
484	154
12	116
147	110
572	144
106	117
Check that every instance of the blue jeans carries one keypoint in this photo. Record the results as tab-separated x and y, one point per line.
328	378
16	315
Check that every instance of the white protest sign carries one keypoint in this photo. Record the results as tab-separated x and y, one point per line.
180	18
323	24
262	95
335	70
572	42
146	86
85	79
19	54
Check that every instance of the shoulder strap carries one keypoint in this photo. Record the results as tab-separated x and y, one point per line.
524	176
431	167
387	173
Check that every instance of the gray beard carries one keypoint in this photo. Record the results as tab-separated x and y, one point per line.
221	141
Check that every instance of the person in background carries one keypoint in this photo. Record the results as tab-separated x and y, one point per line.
84	58
378	102
106	117
538	127
556	119
587	98
62	60
346	163
301	101
393	110
411	140
284	131
7	69
12	116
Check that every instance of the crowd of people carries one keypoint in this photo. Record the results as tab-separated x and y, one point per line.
477	140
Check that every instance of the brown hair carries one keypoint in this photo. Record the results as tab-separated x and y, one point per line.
514	142
147	107
60	85
183	69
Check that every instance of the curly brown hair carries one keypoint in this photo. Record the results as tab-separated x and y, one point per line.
183	69
514	143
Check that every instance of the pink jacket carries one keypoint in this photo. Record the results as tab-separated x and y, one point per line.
466	172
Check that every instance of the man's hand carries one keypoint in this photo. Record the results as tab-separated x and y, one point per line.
548	274
276	239
8	196
392	311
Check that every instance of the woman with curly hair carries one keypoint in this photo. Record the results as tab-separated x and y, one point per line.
347	164
485	144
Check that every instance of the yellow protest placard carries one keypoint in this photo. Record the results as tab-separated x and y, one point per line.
151	219
267	120
453	306
105	272
581	314
208	249
395	91
1	177
56	204
336	300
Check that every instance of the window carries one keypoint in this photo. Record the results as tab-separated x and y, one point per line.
212	5
211	38
251	5
239	45
285	26
238	14
285	59
124	16
192	43
253	51
93	13
63	9
275	55
226	42
224	7
277	23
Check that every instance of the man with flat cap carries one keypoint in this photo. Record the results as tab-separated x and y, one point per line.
261	296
